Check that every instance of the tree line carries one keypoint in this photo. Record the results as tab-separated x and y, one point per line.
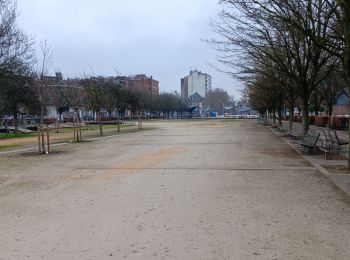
26	88
288	52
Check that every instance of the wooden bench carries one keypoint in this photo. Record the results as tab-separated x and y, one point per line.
310	140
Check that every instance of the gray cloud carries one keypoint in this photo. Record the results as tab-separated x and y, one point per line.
156	37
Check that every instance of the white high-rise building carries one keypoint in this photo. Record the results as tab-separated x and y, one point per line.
196	82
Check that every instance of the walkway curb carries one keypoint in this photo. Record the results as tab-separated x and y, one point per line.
321	169
19	151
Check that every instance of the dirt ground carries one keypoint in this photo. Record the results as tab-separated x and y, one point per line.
195	190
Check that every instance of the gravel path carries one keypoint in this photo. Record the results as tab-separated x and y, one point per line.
196	190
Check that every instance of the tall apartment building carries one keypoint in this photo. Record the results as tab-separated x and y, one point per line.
143	83
196	82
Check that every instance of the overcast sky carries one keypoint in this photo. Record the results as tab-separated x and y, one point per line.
161	38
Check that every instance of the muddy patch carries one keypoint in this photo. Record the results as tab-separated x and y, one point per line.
36	154
136	164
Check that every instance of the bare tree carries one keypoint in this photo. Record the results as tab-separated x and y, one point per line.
59	99
95	98
76	96
18	95
316	99
331	89
43	89
250	28
216	99
114	99
16	48
16	60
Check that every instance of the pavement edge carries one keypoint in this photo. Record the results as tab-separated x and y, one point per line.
321	169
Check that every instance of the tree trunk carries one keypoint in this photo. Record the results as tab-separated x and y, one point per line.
305	117
140	121
48	138
119	122
279	117
274	115
7	126
42	134
345	6
299	110
291	116
316	111
349	115
58	125
330	114
77	124
76	127
80	134
15	117
58	122
1	121
279	111
74	131
39	144
100	123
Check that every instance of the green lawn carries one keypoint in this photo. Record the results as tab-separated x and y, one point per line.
3	147
20	135
94	128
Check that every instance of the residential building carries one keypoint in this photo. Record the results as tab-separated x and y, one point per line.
195	104
143	83
53	80
196	82
184	88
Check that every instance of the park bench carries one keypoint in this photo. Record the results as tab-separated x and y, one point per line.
332	142
282	129
274	125
326	145
295	134
310	140
332	139
327	135
335	139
